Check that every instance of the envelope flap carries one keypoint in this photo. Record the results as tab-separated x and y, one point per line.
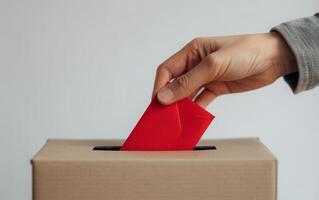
194	121
158	128
188	108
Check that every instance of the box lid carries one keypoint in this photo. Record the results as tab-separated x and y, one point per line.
226	149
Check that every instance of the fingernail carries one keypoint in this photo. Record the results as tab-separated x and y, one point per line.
165	94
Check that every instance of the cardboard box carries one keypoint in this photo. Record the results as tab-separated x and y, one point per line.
236	169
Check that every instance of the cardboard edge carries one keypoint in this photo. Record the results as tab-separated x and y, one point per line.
33	159
267	149
275	162
49	140
203	140
276	180
33	181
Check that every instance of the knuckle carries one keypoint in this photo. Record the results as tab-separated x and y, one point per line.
159	69
195	46
212	65
196	42
212	60
183	82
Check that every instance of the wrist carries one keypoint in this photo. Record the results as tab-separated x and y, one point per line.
287	62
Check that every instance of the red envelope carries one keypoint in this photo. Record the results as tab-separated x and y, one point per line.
175	127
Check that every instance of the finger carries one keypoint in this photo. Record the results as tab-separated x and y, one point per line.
212	91
188	57
172	67
184	85
205	98
162	77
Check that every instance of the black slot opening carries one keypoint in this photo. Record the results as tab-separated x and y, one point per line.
117	148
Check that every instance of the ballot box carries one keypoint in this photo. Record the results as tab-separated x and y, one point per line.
221	169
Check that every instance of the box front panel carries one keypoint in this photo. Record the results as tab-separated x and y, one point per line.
151	179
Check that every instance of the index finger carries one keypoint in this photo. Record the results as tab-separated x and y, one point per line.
171	68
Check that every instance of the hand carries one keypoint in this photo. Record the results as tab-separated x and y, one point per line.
212	66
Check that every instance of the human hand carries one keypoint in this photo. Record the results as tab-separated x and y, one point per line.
212	66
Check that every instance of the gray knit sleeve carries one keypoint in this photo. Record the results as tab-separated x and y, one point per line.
302	36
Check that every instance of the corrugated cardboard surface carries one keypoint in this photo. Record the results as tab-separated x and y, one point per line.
238	169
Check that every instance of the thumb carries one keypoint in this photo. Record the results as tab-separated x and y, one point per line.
184	85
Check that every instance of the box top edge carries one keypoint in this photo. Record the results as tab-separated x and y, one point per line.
82	150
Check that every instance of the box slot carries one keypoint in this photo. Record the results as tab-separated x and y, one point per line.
117	148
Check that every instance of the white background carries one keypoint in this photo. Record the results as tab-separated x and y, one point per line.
84	69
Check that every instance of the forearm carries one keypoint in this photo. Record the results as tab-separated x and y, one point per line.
302	36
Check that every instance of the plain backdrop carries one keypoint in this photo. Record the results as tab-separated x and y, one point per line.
85	69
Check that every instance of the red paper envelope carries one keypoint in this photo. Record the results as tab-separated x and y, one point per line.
175	127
